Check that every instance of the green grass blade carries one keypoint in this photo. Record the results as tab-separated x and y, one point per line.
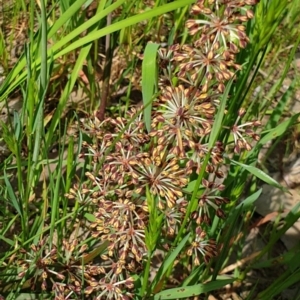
71	82
192	291
12	197
292	217
231	226
32	296
246	204
219	117
278	130
283	282
121	24
168	261
268	16
288	258
43	81
5	230
64	97
259	174
149	80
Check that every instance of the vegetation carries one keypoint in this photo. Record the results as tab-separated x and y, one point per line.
144	188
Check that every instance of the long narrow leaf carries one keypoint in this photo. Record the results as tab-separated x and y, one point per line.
279	130
12	197
219	117
149	80
191	291
259	174
168	261
248	202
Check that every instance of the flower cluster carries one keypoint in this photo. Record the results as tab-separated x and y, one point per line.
203	246
243	134
62	271
58	269
128	162
136	178
219	32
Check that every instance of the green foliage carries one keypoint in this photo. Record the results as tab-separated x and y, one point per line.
144	183
149	81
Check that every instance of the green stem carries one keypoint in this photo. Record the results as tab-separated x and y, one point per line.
146	274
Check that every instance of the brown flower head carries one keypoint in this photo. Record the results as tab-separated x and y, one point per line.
162	173
201	246
122	224
209	200
244	133
183	115
221	22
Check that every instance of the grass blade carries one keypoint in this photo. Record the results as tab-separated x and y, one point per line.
191	291
259	174
149	80
167	263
